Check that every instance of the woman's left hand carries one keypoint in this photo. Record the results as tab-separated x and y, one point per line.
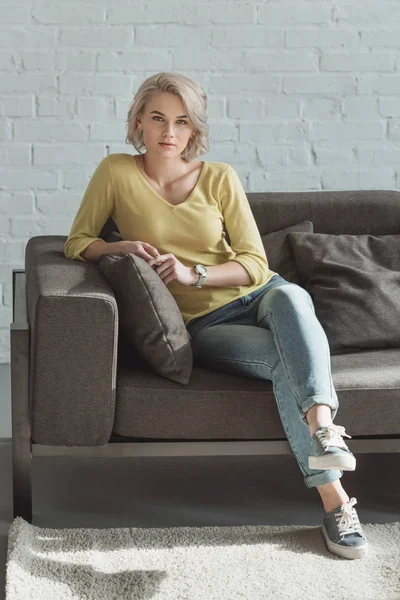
169	268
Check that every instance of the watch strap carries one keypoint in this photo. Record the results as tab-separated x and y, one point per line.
201	280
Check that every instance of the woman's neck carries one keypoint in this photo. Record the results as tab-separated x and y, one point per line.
164	172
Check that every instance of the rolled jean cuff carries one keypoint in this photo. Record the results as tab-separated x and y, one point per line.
313	400
322	477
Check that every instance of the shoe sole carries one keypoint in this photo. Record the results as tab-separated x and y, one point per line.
348	552
343	462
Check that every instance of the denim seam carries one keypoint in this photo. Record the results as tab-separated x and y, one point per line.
244	362
279	345
215	322
282	416
328	358
225	317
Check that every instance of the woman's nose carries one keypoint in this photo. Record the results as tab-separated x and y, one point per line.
169	128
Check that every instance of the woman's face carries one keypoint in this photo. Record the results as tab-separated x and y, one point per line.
172	126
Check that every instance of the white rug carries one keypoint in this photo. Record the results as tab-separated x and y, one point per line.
197	563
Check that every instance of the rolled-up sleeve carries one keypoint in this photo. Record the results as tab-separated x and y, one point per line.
245	238
96	207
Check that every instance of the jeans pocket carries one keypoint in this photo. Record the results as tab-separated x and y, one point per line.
224	313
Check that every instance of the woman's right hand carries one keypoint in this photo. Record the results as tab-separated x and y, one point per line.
142	249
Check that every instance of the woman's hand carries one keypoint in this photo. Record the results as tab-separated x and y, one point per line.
141	249
169	268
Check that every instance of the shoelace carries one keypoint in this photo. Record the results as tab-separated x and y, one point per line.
332	436
347	519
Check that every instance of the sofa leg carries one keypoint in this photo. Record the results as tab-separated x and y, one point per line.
20	411
21	433
22	486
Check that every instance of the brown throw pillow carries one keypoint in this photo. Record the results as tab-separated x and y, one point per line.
149	316
354	281
279	252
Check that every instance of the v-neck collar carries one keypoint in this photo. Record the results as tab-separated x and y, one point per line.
163	199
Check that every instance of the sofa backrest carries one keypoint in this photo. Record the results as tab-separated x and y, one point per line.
375	212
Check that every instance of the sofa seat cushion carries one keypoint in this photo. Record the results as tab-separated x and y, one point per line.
221	406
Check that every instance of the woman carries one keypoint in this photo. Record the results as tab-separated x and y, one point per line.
242	317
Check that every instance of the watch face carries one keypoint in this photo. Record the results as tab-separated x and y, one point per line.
201	270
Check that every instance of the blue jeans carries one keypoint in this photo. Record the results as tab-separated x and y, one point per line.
273	333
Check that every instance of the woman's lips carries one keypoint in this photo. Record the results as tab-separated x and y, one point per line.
168	145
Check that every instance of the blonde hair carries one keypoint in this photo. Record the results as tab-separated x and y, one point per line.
194	100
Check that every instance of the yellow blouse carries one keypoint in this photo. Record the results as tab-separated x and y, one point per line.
193	231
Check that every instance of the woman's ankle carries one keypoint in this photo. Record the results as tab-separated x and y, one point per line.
332	495
315	426
331	505
317	416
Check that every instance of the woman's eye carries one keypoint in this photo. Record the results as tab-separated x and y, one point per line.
180	120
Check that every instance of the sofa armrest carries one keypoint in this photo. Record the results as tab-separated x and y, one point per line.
73	319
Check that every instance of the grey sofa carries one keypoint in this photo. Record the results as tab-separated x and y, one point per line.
75	394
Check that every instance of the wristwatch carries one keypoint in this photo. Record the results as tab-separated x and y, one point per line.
202	271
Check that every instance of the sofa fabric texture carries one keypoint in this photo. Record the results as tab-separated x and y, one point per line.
149	315
73	323
354	281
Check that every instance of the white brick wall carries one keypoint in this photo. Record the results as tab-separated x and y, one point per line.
303	95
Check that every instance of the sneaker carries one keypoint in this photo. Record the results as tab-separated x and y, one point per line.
343	533
328	449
